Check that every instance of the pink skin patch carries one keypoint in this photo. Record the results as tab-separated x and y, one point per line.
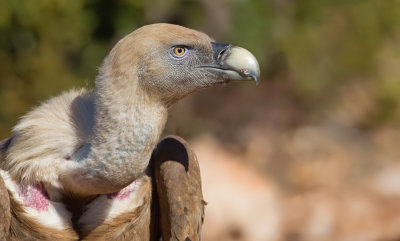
244	70
34	196
123	193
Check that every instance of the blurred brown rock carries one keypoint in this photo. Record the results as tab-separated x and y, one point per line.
335	215
241	204
322	183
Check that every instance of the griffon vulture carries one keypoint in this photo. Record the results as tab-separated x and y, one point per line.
78	166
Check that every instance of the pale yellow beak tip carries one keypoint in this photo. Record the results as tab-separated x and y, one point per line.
244	62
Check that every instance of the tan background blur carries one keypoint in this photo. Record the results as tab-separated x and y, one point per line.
312	153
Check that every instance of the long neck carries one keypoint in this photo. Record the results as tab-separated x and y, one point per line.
128	126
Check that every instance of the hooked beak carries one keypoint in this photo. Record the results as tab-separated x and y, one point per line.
235	63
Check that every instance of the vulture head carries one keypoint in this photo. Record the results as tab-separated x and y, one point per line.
168	62
89	142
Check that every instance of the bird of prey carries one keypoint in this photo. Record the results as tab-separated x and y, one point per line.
81	166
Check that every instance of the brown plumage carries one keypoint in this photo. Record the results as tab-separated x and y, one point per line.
177	174
177	210
5	210
77	166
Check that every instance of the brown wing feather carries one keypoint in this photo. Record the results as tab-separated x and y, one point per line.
178	182
5	211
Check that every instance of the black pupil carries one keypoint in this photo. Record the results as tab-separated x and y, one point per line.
180	50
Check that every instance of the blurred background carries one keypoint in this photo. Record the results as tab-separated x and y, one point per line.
312	153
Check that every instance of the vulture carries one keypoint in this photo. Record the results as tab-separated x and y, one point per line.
89	164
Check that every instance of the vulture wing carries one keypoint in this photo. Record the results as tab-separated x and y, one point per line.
180	198
5	211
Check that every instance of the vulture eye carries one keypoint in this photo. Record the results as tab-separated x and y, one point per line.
179	51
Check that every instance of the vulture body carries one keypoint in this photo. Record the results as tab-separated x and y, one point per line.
80	166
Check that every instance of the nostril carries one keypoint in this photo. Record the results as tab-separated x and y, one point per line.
221	53
219	49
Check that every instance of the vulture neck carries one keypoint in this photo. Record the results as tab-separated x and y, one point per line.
128	124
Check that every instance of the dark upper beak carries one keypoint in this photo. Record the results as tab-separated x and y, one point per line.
237	63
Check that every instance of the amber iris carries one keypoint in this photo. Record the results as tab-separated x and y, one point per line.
179	51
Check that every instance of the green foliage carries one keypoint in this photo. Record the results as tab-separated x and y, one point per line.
325	45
